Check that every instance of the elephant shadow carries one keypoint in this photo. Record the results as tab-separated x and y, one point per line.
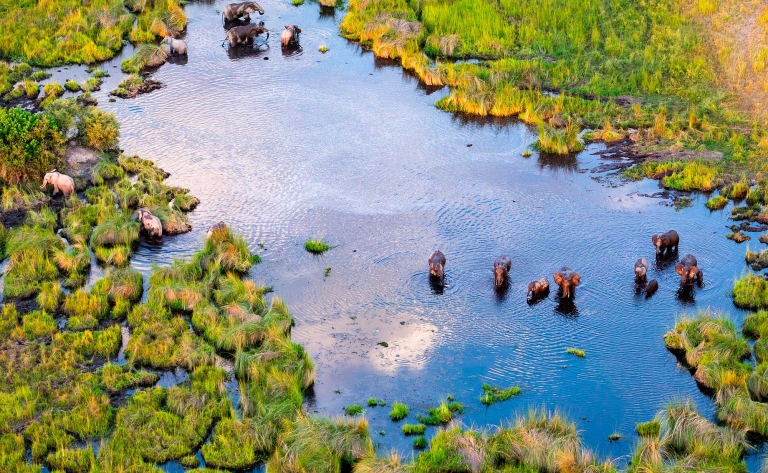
293	49
536	299
244	51
665	261
567	307
437	285
178	60
686	295
501	291
639	287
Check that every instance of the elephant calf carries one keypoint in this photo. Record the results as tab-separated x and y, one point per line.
501	268
567	280
290	35
437	265
539	288
651	288
60	182
641	269
666	242
176	46
688	269
245	34
150	223
235	11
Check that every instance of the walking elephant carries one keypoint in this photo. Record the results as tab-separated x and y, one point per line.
150	223
235	11
245	34
60	182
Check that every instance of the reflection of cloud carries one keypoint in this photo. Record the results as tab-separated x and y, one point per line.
408	345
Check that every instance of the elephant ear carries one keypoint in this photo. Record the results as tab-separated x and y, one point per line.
679	269
655	239
558	279
694	271
576	279
287	27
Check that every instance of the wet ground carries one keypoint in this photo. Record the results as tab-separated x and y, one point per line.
289	145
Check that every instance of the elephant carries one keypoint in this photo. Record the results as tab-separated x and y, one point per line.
688	269
290	35
538	288
651	288
176	46
666	242
245	34
437	265
150	223
567	280
218	227
235	11
641	269
60	182
501	267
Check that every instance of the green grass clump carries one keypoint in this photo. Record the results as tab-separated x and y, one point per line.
751	292
648	429
615	437
72	85
354	410
756	325
234	445
116	378
558	141
36	325
30	146
717	202
30	252
85	310
494	394
316	247
146	55
441	414
576	352
74	461
372	402
738	191
53	90
420	442
399	411
414	429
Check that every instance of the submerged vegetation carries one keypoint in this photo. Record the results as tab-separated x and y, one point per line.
494	394
316	246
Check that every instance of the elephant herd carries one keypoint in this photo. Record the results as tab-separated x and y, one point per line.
150	224
567	280
245	33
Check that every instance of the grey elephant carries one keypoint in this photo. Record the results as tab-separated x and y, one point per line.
567	280
641	269
176	46
501	267
60	182
150	223
437	265
689	271
245	34
290	35
235	11
666	243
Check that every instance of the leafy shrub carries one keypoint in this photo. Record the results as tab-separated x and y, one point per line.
99	129
30	145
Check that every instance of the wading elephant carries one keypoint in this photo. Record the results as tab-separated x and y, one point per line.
150	223
176	46
688	269
651	288
290	35
641	269
437	265
245	34
501	267
567	280
60	182
666	242
539	288
235	11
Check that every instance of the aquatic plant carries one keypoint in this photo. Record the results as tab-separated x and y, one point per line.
441	414
399	411
717	202
354	410
414	429
751	292
494	394
558	141
648	429
576	352
316	246
372	402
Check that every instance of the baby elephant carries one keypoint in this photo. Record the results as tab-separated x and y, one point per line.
651	288
666	242
567	280
437	265
245	34
60	182
176	46
641	268
290	35
240	10
501	267
688	269
538	288
150	223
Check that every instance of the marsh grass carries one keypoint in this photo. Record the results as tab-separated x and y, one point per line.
399	411
316	246
494	394
414	429
558	141
354	410
576	352
648	429
751	292
441	414
717	202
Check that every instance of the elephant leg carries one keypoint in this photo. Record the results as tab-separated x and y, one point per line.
55	189
249	40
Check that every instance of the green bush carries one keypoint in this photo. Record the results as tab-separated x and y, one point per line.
30	146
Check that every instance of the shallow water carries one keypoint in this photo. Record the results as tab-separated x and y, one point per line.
343	146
